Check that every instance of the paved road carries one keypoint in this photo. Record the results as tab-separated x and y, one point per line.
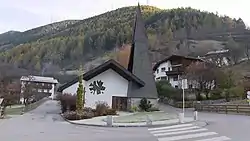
235	127
44	124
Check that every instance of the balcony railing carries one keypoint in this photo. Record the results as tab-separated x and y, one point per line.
175	71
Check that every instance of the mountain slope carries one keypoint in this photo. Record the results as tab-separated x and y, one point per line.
13	38
69	45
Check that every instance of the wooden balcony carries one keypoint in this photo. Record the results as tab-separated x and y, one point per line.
175	71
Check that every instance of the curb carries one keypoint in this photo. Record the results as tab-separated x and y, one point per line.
156	125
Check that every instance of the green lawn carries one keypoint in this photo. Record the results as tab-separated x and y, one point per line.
17	109
142	117
239	102
14	110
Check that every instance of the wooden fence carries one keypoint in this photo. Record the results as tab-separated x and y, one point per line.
191	104
219	108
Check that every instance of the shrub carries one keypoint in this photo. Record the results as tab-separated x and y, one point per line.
111	112
145	105
68	102
133	108
216	94
73	115
237	91
152	109
101	108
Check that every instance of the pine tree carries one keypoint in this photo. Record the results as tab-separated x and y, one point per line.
80	95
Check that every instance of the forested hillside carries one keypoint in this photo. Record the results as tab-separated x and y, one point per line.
70	43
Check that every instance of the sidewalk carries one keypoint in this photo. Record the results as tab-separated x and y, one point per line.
99	121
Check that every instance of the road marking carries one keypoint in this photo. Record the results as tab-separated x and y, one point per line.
222	138
180	132
170	127
189	136
173	130
185	132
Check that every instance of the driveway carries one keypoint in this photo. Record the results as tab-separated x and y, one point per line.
45	123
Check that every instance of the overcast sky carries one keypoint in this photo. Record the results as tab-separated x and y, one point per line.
22	15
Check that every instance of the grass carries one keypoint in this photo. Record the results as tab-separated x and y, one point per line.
19	109
14	110
34	105
243	102
142	117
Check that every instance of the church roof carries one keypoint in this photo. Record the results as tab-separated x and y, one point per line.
111	64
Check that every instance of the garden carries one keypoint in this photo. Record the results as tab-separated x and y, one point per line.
71	110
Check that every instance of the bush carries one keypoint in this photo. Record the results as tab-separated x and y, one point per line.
68	102
165	90
152	109
216	94
111	112
73	115
101	108
145	105
133	109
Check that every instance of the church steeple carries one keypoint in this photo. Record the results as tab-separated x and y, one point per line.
139	35
139	62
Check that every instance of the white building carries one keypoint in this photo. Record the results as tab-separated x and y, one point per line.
44	85
172	69
108	83
218	57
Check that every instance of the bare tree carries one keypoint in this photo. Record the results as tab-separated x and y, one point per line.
28	90
8	92
247	50
202	75
235	51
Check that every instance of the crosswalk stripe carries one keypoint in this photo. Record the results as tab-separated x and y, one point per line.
173	130
189	136
180	132
222	138
170	127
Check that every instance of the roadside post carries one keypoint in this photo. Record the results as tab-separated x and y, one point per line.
149	121
195	115
1	100
1	107
109	120
248	97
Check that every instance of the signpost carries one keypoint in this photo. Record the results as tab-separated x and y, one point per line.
183	95
181	115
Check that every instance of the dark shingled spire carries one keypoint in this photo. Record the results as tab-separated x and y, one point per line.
139	63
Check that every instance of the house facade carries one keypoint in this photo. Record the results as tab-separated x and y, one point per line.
108	83
38	84
118	86
172	69
218	57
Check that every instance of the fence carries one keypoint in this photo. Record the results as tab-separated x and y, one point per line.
219	108
191	104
